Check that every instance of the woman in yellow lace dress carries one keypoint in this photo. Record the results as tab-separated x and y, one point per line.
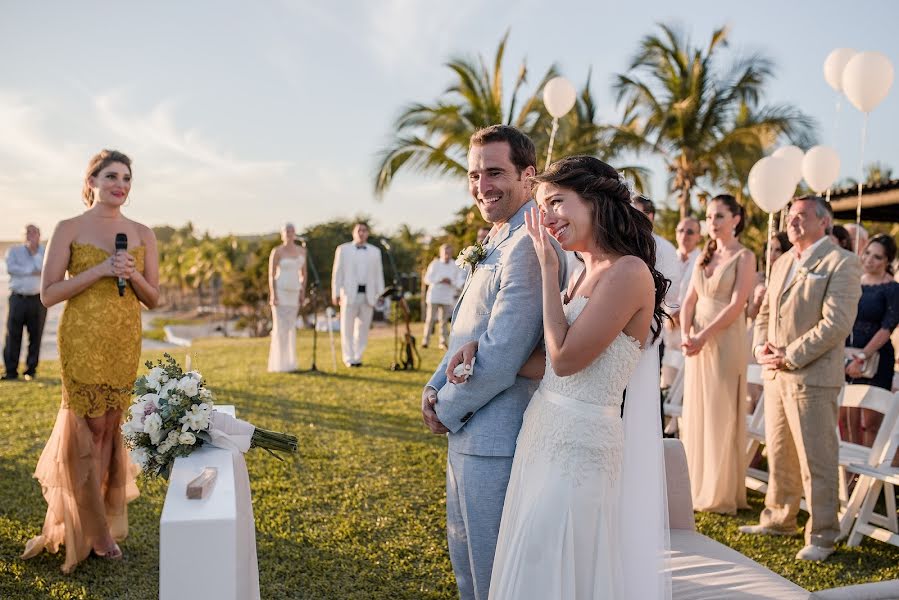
85	472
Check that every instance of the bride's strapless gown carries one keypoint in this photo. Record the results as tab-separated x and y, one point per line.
559	531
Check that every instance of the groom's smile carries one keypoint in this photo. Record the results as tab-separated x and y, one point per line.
498	188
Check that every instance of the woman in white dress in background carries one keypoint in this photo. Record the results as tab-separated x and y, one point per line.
584	516
287	289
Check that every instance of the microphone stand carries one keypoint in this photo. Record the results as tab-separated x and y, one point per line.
395	296
314	288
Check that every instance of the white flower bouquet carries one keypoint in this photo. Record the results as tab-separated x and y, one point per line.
173	413
471	256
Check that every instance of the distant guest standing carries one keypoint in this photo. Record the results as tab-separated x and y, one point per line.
688	237
878	315
23	263
800	333
357	281
714	341
286	291
444	279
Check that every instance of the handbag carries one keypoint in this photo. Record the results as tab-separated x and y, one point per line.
869	366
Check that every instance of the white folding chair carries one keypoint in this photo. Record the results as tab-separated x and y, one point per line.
875	481
756	479
854	455
673	406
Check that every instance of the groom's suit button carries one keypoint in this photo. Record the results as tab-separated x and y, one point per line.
466	417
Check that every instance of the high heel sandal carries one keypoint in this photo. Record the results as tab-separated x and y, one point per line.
114	553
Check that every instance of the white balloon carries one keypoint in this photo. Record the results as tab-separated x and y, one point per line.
867	79
834	65
771	184
821	167
559	96
793	155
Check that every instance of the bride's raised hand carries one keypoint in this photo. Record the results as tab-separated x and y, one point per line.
464	356
546	252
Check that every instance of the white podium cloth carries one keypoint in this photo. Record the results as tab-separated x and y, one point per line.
207	547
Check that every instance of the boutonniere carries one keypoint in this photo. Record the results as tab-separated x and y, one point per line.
472	255
803	272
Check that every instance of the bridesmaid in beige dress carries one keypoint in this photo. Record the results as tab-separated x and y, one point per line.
713	425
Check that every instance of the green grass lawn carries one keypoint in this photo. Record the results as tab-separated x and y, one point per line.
357	513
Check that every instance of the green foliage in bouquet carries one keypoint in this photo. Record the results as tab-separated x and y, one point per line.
168	414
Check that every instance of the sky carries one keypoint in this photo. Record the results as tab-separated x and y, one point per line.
241	116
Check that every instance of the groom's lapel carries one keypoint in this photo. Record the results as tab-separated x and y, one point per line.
502	235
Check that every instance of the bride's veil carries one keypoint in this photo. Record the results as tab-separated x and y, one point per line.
644	499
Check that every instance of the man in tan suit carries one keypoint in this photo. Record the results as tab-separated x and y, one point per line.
801	329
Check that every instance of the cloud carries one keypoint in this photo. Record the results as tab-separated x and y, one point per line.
26	145
404	33
157	132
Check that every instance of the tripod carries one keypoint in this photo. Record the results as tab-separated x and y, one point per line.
407	346
313	299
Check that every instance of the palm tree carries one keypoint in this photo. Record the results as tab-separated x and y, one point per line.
707	125
433	138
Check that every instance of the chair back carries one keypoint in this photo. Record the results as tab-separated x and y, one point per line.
879	400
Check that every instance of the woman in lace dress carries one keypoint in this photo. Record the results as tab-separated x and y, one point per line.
560	530
85	473
287	287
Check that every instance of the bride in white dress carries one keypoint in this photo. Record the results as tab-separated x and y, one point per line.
287	279
567	529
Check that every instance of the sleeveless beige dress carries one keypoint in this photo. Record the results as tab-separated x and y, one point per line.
713	426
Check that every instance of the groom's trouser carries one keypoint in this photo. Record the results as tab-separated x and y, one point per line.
475	492
355	321
803	455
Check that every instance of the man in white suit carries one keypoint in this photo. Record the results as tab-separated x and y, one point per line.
357	280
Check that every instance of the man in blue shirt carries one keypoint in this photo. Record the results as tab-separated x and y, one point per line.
23	263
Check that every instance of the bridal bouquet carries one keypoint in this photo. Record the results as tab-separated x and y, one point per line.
173	413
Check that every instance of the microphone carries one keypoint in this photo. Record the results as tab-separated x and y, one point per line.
121	243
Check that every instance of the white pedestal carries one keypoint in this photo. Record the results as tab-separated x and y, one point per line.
205	544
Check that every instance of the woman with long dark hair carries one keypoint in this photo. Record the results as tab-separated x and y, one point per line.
716	350
878	315
565	506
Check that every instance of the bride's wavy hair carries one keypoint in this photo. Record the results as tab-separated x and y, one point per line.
617	226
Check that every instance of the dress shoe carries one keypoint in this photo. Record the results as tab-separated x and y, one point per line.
815	553
9	377
763	530
356	364
424	344
28	376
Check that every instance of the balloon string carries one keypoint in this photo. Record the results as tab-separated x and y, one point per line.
768	248
861	182
836	118
552	139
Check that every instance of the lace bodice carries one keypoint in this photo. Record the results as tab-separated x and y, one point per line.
602	381
99	338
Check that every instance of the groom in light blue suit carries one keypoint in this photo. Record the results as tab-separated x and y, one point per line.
501	307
